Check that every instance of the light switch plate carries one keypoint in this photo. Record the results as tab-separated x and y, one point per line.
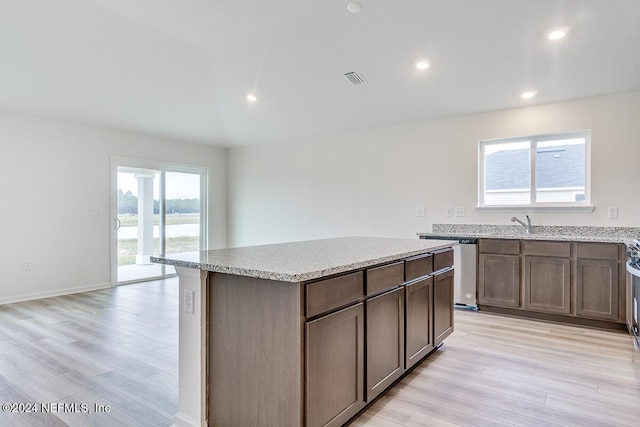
460	211
421	212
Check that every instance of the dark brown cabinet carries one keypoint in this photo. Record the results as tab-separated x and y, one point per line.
395	315
418	326
499	272
335	367
385	277
576	282
314	352
597	289
598	281
547	284
329	294
442	259
418	266
442	305
385	341
499	280
547	276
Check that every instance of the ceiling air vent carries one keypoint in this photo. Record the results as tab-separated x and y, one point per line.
355	78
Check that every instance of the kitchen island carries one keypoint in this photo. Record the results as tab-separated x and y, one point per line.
305	333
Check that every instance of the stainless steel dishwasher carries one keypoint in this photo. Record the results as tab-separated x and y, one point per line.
465	261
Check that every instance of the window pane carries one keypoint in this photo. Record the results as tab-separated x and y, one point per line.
137	237
507	173
182	210
560	171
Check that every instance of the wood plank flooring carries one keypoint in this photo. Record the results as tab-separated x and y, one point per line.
118	347
502	371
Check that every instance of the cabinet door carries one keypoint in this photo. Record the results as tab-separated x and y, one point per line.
597	289
385	341
499	280
335	367
419	311
547	284
442	306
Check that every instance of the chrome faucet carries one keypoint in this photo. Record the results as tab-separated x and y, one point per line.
527	226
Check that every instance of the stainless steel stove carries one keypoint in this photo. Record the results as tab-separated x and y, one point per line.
633	290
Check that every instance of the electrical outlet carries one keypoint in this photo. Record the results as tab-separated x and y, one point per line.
613	213
28	265
188	301
448	212
95	212
460	211
421	212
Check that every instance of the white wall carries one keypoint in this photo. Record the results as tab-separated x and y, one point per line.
51	174
366	183
369	183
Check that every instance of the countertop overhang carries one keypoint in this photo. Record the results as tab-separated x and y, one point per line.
523	236
553	233
306	260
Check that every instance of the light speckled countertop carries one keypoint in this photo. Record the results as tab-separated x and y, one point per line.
300	261
538	232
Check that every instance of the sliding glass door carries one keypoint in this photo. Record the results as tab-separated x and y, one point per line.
159	209
183	214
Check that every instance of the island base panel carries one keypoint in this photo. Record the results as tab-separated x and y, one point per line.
255	352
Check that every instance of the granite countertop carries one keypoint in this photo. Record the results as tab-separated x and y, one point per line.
540	232
300	261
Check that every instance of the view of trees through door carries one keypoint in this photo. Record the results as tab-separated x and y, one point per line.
159	211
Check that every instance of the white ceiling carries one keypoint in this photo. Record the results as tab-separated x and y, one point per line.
182	68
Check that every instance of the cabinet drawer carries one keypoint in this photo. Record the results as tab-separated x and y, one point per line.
384	277
548	249
333	293
418	266
598	251
442	259
499	246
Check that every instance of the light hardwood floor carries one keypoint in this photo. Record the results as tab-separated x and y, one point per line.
501	371
118	347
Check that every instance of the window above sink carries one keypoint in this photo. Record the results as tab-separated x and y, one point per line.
536	172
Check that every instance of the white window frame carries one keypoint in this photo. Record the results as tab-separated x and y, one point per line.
581	206
203	171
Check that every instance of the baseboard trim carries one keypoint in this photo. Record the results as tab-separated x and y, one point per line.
56	293
556	318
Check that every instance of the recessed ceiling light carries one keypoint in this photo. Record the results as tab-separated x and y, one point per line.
528	94
422	65
251	97
354	7
557	34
